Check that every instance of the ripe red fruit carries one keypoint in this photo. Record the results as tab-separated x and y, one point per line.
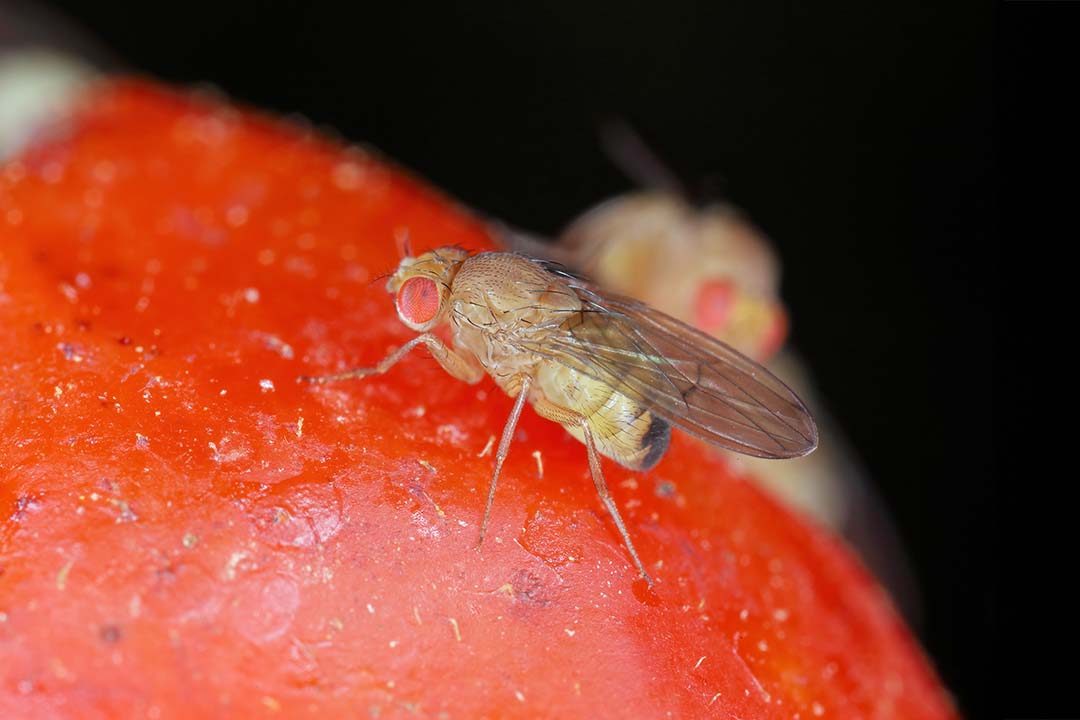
185	531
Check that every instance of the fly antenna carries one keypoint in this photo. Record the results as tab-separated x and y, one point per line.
627	150
404	244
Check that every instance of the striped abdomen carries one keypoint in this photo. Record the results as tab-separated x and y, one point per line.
624	430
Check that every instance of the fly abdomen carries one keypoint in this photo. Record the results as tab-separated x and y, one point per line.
623	429
655	441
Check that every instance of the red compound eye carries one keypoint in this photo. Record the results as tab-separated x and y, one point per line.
418	300
713	305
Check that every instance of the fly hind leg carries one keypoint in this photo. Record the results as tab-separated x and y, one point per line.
564	416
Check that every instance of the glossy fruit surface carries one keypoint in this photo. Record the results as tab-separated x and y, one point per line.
185	531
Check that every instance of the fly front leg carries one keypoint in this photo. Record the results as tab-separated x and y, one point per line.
455	363
504	448
564	416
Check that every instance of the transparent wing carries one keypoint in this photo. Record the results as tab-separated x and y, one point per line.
684	376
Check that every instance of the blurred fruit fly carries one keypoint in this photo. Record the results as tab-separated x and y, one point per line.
705	264
614	372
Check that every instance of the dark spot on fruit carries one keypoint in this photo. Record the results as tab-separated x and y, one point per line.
110	634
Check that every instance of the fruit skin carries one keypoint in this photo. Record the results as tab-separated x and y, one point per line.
185	531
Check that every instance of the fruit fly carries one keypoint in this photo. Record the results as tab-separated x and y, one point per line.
617	374
705	264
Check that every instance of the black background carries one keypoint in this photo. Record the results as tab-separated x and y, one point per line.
861	138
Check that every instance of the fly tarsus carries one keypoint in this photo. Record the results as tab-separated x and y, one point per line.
355	373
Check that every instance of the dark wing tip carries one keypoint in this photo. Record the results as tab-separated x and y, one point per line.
803	436
807	447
